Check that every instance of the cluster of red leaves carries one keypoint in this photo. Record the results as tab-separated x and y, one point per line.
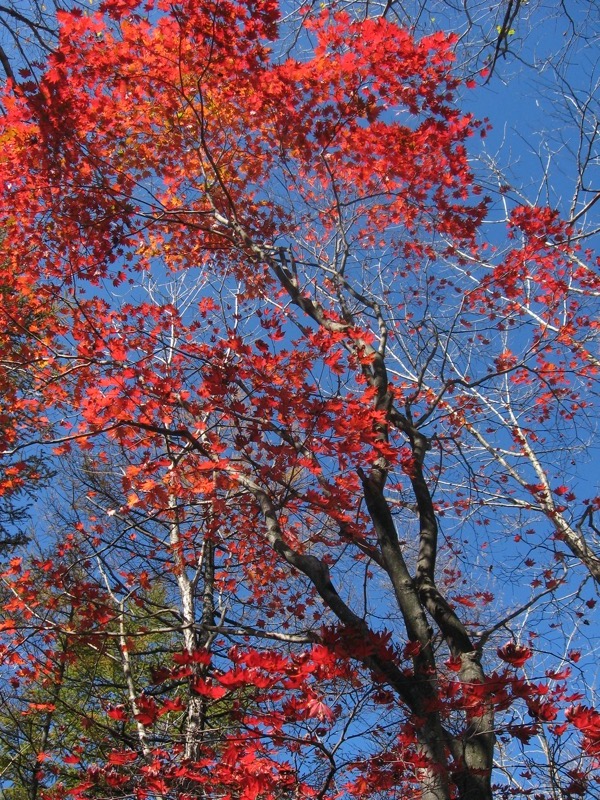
263	695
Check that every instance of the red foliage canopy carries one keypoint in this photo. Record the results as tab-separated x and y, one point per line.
252	289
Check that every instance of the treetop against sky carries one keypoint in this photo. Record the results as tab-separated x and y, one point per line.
319	390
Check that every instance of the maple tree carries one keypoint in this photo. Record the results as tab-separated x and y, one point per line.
333	427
